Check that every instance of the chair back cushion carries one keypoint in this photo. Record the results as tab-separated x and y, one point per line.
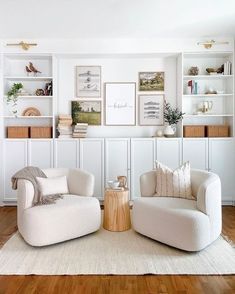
173	183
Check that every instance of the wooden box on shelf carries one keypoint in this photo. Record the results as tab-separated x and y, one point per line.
217	131
17	132
194	131
40	132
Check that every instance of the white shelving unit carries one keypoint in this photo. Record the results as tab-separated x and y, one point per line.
14	72
222	111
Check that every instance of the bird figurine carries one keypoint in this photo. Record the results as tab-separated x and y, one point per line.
33	69
27	70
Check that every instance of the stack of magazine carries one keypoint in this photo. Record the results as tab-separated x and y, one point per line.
80	130
65	126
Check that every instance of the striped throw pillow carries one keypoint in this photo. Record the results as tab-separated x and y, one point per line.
173	183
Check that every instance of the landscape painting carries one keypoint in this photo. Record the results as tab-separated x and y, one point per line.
86	112
88	81
151	81
151	110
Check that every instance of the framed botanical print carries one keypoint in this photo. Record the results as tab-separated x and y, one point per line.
151	81
120	104
88	81
86	112
151	109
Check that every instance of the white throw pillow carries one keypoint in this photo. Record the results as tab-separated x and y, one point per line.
51	186
173	183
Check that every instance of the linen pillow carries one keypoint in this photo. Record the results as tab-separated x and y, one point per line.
52	186
173	183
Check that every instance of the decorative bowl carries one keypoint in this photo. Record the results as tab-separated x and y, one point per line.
113	184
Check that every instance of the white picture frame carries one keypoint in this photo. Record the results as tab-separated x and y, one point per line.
88	81
151	108
120	104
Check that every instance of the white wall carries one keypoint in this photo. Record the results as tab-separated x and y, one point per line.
114	69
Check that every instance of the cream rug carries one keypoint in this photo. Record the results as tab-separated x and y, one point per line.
103	253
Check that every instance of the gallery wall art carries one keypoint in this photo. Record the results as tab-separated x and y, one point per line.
88	81
151	110
120	104
151	81
86	112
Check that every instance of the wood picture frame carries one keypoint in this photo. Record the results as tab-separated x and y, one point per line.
152	81
88	81
87	111
120	104
151	108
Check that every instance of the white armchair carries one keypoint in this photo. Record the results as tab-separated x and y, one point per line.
77	214
189	225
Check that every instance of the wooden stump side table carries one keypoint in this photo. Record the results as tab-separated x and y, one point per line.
116	210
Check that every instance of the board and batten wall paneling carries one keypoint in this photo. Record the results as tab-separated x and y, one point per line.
15	158
195	150
66	153
40	153
92	160
117	159
142	160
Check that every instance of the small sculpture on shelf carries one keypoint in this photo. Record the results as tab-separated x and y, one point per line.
215	71
32	69
31	111
39	92
193	71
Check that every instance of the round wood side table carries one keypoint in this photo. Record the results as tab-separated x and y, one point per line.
116	210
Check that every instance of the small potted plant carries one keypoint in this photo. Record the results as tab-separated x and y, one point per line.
171	116
12	97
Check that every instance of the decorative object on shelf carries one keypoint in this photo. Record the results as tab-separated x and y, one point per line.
205	106
12	97
88	81
23	92
28	71
40	132
217	131
17	132
23	45
209	44
151	81
159	133
151	110
39	92
122	181
86	112
215	71
33	69
120	99
65	126
80	130
194	131
31	111
48	89
193	71
192	87
210	91
172	116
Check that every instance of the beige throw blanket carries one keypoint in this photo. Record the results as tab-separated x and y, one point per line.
30	173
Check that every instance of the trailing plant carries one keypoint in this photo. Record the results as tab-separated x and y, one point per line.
12	95
172	115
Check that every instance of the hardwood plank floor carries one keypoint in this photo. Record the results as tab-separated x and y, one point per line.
114	284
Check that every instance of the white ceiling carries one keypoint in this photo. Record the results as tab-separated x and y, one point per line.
116	18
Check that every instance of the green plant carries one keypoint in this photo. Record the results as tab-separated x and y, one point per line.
172	115
12	96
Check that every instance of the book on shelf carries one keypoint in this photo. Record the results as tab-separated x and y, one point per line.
227	68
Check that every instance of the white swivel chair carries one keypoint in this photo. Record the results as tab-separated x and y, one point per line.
189	225
76	215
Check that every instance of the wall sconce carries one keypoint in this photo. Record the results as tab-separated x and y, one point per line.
24	45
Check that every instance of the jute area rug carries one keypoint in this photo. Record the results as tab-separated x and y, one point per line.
104	253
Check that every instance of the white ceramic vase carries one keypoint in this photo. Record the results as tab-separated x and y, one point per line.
169	131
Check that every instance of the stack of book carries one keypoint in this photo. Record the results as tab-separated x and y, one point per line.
227	68
80	130
65	126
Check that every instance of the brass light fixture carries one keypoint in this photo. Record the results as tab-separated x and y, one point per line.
209	44
24	45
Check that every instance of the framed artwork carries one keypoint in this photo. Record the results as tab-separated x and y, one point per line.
88	81
120	101
151	81
86	112
151	110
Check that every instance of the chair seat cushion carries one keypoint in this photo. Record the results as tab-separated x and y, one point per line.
173	221
70	217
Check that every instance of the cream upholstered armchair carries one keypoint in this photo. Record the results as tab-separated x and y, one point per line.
77	214
190	225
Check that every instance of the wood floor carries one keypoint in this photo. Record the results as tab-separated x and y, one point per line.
114	284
